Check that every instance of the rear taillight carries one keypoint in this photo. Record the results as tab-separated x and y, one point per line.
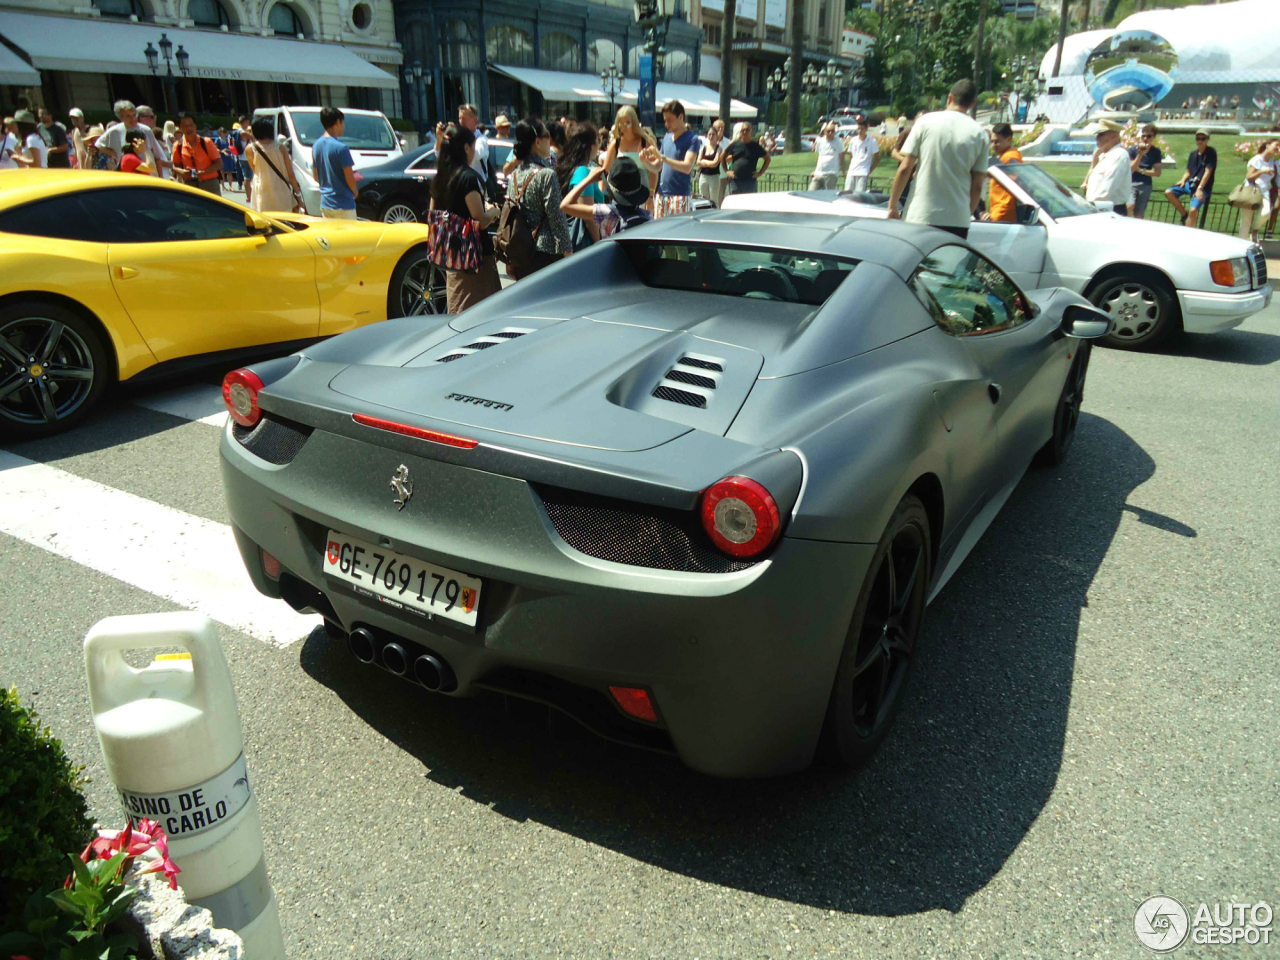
740	516
240	392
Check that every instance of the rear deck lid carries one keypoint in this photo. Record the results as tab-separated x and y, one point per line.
606	386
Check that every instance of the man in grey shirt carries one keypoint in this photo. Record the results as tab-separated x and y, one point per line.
948	152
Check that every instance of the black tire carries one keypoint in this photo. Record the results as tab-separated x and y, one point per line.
54	368
1066	415
880	646
417	287
1143	309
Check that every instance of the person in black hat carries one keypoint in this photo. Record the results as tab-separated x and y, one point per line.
627	190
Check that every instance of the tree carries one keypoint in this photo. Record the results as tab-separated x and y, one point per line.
954	40
978	49
864	21
794	82
1062	38
726	63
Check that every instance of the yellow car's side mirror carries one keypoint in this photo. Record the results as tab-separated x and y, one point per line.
256	223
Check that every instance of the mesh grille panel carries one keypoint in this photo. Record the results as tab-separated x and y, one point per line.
686	397
508	334
448	358
480	345
275	441
695	378
704	364
635	533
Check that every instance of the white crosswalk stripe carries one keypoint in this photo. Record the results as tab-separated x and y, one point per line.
200	402
184	558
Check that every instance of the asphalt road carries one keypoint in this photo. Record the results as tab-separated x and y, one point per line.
1093	720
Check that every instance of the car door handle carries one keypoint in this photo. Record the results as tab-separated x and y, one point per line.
993	391
125	273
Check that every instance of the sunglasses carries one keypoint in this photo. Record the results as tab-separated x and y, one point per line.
1201	138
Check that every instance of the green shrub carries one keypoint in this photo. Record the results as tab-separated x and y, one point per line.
43	816
402	125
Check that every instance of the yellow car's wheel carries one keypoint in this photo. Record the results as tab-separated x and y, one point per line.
53	369
417	287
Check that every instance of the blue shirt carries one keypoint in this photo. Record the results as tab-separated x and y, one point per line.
329	157
670	182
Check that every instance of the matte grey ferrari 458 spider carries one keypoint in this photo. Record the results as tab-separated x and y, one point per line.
692	486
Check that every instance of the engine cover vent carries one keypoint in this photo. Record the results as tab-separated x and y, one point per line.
495	339
676	395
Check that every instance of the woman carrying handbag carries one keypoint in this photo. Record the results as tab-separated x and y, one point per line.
458	217
276	190
1253	197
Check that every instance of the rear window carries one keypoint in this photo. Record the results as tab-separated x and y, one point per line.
759	273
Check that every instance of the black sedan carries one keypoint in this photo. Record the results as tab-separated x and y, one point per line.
399	190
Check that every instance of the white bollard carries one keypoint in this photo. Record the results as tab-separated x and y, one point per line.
170	734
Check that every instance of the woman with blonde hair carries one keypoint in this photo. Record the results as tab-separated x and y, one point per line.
629	140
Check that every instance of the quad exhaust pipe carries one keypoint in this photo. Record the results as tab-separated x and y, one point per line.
404	658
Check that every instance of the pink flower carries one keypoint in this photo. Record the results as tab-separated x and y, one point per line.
166	865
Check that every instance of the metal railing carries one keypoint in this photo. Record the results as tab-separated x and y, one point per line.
1217	216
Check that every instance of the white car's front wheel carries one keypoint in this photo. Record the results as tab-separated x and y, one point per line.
1143	311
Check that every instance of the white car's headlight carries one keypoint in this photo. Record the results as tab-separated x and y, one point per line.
1230	273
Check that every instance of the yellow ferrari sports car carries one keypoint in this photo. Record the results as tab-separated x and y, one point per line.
112	277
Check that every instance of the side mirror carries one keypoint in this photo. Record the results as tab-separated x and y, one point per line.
257	224
1085	323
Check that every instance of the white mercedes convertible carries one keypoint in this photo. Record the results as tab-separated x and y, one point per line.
1155	279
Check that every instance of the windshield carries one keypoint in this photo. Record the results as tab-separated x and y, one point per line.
755	272
1055	198
360	131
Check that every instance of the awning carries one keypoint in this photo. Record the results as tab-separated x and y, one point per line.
82	45
16	71
697	99
585	88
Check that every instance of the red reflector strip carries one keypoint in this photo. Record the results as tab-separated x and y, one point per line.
636	702
404	429
270	566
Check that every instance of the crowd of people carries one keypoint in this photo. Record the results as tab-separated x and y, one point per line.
209	160
568	185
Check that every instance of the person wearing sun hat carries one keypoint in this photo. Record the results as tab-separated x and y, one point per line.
627	190
1110	176
1197	181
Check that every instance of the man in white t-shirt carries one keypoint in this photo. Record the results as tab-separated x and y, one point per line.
112	140
948	152
469	117
864	156
1110	175
830	151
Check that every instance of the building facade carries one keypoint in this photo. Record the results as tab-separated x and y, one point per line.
762	41
226	56
518	57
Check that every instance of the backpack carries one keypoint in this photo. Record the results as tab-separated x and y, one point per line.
514	243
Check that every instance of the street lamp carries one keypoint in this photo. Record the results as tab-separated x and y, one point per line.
153	64
611	83
413	79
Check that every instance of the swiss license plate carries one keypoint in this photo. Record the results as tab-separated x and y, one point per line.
402	582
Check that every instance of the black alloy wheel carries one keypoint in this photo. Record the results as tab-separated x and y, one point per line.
417	287
53	368
1066	415
880	646
1142	309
